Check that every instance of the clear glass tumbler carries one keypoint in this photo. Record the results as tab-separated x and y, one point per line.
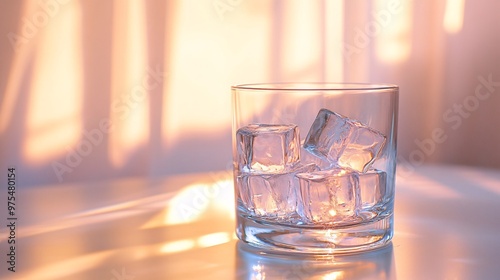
314	166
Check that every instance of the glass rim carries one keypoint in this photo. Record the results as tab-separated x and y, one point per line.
315	86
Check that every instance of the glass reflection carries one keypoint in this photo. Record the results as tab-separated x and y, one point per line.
254	264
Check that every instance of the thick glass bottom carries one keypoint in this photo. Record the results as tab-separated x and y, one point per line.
285	239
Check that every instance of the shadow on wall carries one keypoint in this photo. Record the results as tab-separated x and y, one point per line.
198	153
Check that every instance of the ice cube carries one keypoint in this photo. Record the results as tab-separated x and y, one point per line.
372	185
267	147
341	140
329	196
271	195
327	135
322	162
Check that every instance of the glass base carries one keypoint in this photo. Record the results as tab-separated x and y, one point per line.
283	239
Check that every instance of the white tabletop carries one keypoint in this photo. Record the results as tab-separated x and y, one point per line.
447	226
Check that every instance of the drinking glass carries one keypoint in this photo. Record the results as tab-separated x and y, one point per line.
314	166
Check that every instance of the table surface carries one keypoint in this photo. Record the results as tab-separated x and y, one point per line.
447	226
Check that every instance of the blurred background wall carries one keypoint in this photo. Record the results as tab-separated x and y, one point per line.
93	90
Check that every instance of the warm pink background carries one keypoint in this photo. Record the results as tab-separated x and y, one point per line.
159	73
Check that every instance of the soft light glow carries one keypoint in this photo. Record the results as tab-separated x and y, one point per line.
334	33
187	86
129	97
301	53
192	201
177	246
224	201
54	105
257	268
393	43
332	212
194	98
355	158
258	272
334	275
204	241
158	220
454	16
188	205
213	239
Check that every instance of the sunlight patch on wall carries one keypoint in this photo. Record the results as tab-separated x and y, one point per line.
195	98
129	96
54	111
301	45
209	55
394	19
334	33
454	16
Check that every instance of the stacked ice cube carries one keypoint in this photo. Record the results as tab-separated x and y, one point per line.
341	140
327	180
268	160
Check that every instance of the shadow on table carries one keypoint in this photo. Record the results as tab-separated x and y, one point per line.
377	264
